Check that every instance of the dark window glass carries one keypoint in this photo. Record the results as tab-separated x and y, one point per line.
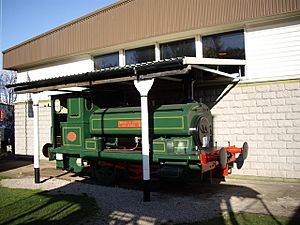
224	46
139	55
105	61
178	49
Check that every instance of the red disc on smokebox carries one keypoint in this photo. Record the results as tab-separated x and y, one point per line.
71	136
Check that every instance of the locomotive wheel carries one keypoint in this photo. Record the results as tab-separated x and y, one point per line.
106	175
244	151
45	149
223	158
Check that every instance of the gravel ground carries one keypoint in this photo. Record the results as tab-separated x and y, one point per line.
185	203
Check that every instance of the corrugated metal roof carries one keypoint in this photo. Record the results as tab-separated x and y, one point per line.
107	75
132	20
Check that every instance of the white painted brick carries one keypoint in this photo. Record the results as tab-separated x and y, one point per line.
236	131
270	123
256	152
263	102
249	117
269	109
249	103
293	130
249	172
241	97
272	152
279	144
296	93
248	89
284	94
249	131
297	167
257	165
278	130
242	124
278	116
292	101
285	123
265	130
236	104
242	111
277	87
271	137
264	173
255	109
277	159
292	159
294	174
272	166
293	145
293	116
256	124
296	108
269	95
265	145
296	123
286	167
284	108
296	137
279	173
242	137
285	137
264	159
255	96
256	137
292	86
286	152
262	88
263	117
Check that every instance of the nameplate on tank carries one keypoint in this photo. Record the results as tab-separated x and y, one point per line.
129	123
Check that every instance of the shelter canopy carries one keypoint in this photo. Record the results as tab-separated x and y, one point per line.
171	69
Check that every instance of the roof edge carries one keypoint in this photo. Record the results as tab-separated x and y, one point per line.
70	23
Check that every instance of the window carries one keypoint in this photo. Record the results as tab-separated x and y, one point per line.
105	61
178	49
224	46
139	55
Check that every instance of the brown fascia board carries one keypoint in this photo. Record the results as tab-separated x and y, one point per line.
94	13
224	12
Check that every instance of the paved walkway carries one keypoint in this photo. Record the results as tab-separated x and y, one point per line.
192	202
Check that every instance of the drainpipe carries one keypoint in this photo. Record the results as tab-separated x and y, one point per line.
144	86
36	139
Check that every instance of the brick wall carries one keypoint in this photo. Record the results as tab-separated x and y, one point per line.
24	127
267	116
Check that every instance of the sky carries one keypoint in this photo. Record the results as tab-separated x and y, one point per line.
24	19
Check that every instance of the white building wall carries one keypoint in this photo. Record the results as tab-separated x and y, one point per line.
23	122
62	68
273	50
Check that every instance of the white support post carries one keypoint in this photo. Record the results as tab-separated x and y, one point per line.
144	87
36	140
199	50
121	57
157	52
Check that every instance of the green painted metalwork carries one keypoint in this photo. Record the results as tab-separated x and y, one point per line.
92	134
168	120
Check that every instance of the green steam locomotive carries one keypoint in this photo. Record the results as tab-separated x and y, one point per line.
107	140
